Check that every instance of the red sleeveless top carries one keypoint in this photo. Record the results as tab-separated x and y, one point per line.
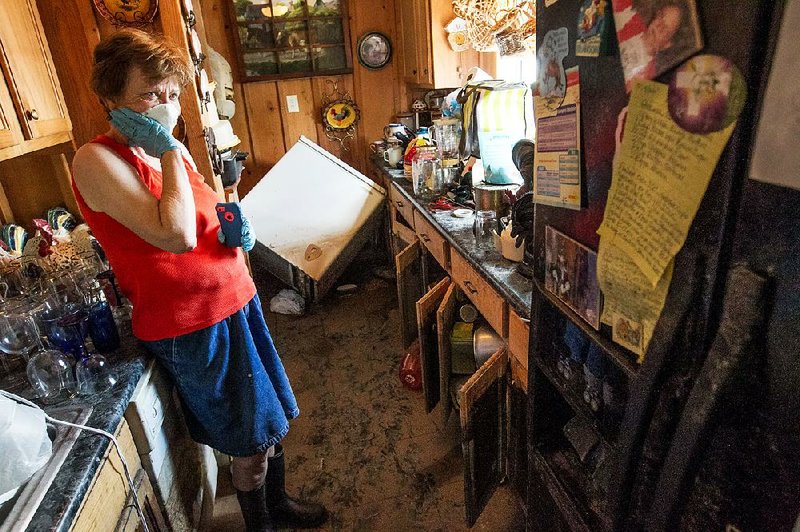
172	294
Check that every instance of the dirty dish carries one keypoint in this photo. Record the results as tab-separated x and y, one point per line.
462	213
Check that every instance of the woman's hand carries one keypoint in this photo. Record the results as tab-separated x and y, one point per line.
248	235
143	131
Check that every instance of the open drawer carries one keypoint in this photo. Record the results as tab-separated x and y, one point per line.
488	302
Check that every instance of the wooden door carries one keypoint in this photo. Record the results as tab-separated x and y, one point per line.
422	10
445	318
482	402
29	70
409	289
10	132
428	341
410	39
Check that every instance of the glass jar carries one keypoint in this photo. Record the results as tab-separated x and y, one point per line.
447	134
425	174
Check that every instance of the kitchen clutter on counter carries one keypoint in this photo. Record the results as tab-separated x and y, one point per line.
59	307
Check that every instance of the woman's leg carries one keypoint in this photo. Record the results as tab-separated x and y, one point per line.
248	478
249	472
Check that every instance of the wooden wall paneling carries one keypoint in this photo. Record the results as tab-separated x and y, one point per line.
174	26
6	214
296	124
219	36
72	32
380	94
261	105
354	155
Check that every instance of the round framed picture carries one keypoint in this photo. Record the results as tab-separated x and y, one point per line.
374	50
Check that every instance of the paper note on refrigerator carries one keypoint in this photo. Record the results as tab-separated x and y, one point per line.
557	160
661	175
631	305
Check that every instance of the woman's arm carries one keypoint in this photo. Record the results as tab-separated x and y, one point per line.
109	184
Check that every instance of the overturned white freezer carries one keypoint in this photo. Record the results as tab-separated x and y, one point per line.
312	213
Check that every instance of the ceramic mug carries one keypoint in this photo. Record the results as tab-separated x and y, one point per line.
391	129
378	147
393	155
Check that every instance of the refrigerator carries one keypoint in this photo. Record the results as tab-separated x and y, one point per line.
704	434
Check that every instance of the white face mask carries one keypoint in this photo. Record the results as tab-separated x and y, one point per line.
165	114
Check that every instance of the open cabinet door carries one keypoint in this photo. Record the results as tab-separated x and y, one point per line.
409	290
445	317
429	341
482	402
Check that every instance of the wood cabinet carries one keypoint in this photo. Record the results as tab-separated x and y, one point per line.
428	60
488	302
105	500
33	114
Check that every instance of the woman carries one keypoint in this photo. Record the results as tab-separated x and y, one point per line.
195	306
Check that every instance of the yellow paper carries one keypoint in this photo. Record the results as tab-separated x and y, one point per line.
630	304
661	175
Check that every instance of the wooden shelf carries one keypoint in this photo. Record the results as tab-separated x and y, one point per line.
575	402
620	356
570	508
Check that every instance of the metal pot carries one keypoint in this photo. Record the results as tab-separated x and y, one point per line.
490	198
485	342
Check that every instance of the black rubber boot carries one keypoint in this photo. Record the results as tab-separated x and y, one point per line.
254	510
286	511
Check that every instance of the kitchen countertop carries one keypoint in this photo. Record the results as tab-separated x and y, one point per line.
499	272
65	495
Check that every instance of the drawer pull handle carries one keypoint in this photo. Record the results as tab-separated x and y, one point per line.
470	287
424	237
399	204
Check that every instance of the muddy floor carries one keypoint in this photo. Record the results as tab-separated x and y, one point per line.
363	444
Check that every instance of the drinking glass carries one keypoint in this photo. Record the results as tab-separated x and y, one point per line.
50	373
93	373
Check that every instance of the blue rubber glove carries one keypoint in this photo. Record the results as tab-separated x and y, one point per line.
143	131
248	235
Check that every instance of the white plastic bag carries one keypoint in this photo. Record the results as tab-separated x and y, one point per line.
288	302
24	445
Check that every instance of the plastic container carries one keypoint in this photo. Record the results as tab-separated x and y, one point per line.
411	368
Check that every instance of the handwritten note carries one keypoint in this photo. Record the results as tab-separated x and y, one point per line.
661	175
630	303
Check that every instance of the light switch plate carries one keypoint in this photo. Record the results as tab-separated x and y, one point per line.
292	104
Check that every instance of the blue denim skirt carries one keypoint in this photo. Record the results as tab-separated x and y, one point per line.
235	393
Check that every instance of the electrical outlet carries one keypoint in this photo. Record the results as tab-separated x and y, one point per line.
292	104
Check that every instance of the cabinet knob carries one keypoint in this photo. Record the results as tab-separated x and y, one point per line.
414	71
32	114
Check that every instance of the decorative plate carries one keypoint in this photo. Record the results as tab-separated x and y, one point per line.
341	114
374	50
127	12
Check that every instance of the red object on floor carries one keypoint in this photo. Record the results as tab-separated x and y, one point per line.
411	368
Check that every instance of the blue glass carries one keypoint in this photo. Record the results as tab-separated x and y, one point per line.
102	327
65	331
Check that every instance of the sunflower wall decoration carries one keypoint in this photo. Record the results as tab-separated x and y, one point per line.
340	115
